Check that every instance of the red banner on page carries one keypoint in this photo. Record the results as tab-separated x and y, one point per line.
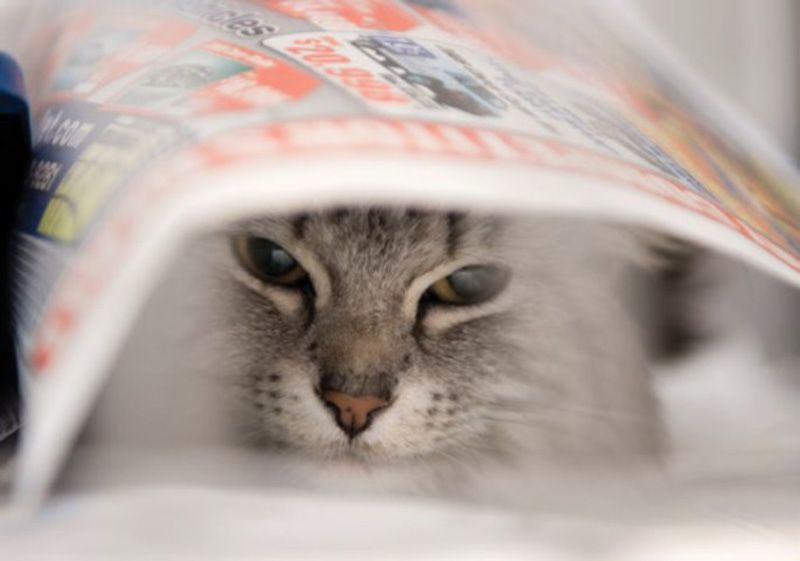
383	15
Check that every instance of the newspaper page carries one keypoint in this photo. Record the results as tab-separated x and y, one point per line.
155	119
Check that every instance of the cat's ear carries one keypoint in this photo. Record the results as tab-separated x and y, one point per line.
643	248
659	252
667	285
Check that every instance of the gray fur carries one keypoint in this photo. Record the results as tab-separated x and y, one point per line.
551	373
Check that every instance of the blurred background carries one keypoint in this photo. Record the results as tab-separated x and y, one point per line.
749	49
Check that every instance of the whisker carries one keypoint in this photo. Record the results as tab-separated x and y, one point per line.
535	410
546	414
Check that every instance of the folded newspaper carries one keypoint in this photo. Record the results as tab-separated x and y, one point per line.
158	119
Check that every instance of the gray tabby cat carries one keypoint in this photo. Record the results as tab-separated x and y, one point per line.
421	344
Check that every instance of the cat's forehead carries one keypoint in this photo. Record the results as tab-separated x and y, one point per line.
355	237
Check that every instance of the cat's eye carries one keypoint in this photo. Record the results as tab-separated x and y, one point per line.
269	261
470	285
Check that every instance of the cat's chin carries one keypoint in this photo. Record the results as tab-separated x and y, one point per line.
359	468
355	474
359	456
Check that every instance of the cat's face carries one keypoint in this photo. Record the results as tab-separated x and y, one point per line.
369	334
386	335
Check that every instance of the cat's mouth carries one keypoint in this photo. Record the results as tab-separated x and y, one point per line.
361	453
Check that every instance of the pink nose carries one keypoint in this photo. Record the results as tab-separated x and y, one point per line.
353	413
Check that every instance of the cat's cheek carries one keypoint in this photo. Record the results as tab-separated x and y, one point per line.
291	414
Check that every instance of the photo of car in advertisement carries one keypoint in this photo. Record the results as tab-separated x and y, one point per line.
400	75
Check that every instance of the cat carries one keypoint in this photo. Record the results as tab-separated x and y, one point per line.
417	346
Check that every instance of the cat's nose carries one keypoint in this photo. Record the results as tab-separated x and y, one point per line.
353	413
